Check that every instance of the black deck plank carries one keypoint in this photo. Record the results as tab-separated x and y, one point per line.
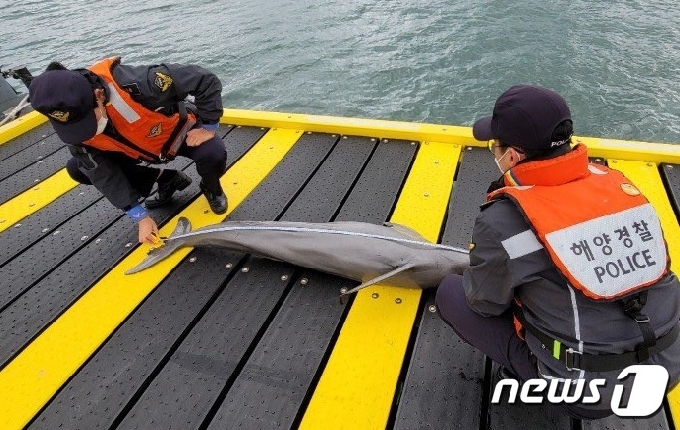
329	184
373	197
270	390
238	140
525	416
656	421
31	229
280	375
26	140
33	310
130	373
34	173
47	220
670	173
326	191
21	273
447	393
444	386
34	153
476	172
232	326
43	297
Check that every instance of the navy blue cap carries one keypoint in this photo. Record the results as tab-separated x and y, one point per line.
67	99
524	116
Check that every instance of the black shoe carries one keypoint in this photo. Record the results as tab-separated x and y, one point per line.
177	181
218	202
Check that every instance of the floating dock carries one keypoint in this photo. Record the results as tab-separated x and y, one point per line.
214	339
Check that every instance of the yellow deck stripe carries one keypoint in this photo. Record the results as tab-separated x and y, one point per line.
40	195
646	177
20	126
353	126
605	148
33	377
631	150
358	385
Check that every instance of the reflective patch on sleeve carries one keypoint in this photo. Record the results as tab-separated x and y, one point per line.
615	253
521	244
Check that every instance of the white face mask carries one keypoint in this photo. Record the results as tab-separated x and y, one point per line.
498	162
101	123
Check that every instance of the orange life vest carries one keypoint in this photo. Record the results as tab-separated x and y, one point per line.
601	233
145	134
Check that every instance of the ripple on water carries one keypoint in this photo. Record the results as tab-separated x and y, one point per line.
616	61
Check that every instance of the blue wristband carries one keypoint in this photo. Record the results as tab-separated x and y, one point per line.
210	127
137	213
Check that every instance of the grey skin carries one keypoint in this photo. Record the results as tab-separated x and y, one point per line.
364	252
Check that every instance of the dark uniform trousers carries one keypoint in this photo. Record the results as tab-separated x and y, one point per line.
495	337
210	158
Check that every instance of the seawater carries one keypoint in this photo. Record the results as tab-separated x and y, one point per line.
617	62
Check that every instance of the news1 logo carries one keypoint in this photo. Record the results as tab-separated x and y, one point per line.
646	393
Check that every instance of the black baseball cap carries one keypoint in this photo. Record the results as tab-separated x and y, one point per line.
67	99
524	116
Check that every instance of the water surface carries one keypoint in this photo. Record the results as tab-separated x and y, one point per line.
617	62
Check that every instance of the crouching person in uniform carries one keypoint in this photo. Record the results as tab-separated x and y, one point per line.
569	273
117	120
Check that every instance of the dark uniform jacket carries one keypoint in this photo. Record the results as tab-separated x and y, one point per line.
494	278
141	82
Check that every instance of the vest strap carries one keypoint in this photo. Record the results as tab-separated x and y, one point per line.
148	156
633	307
178	135
575	360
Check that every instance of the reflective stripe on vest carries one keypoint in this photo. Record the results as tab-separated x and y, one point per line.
124	109
600	231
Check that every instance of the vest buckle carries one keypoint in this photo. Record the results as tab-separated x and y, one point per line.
572	359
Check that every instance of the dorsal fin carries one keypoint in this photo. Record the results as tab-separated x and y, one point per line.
405	231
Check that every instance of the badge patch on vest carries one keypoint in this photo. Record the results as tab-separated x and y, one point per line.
156	130
59	115
613	254
163	81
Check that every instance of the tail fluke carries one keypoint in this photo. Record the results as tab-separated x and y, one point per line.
163	251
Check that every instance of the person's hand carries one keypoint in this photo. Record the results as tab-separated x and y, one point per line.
148	231
196	136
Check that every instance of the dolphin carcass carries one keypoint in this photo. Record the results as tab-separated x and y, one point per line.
364	252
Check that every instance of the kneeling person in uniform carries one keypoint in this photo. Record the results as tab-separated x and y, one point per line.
118	119
569	277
